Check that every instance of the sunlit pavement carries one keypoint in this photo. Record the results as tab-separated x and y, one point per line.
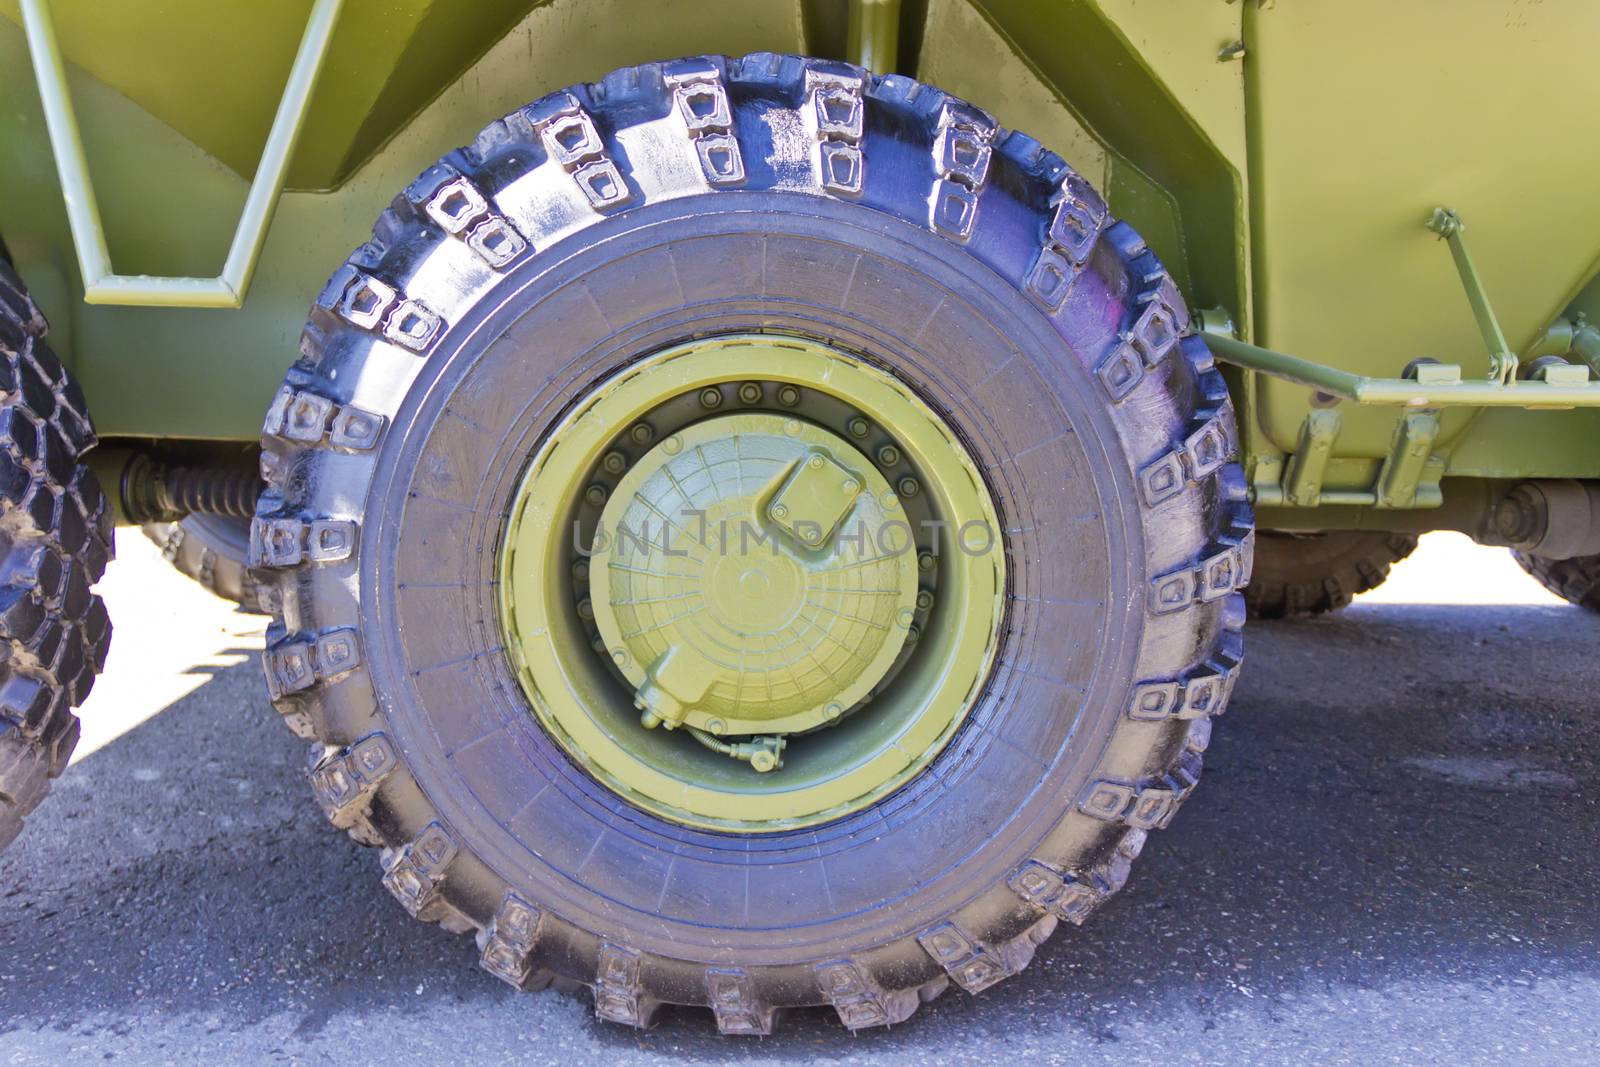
1391	860
171	638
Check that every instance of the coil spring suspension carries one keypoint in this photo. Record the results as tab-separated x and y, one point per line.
155	493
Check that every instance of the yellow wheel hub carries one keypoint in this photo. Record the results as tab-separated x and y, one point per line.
761	548
756	577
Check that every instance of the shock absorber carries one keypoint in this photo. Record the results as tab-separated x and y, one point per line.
153	492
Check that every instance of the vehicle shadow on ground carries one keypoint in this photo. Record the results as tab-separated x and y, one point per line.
1397	790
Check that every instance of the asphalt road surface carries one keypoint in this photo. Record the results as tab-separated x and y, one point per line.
1392	859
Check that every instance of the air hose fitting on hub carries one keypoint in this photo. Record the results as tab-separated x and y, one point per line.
763	753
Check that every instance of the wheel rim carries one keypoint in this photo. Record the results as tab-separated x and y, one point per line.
670	585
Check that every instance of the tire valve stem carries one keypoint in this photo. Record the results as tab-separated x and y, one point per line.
762	753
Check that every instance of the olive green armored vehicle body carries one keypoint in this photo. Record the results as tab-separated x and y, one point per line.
759	500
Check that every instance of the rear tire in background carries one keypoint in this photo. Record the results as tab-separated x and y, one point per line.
212	550
685	212
55	540
1300	574
1575	580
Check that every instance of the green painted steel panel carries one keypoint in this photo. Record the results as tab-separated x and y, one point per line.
169	207
1368	114
214	70
1281	157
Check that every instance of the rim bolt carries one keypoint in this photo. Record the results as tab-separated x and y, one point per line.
912	633
614	463
585	609
750	393
858	427
788	395
925	561
909	487
580	570
888	456
595	495
711	398
641	433
925	599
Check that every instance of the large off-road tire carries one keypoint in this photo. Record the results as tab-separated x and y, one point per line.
212	550
55	540
778	196
1576	580
1308	574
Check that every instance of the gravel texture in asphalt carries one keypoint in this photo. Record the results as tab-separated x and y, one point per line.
1390	860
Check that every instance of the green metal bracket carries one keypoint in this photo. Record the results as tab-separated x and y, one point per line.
1574	339
873	39
227	290
1400	480
1302	479
1440	388
1502	361
1408	478
1434	385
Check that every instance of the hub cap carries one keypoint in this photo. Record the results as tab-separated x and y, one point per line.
742	589
759	548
